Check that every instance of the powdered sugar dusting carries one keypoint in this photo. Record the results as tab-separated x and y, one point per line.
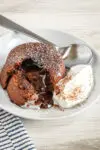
43	55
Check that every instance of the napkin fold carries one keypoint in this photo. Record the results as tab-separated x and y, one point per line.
13	135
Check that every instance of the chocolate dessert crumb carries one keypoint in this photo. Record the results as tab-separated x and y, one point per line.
58	107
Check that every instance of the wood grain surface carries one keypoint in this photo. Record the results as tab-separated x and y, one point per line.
82	19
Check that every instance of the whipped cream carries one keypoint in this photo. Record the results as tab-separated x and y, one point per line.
75	87
30	105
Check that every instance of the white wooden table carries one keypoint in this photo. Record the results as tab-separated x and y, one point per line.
81	18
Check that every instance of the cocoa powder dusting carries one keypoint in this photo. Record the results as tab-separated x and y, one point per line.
73	95
60	86
66	79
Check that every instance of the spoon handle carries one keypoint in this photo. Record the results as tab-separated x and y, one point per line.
7	23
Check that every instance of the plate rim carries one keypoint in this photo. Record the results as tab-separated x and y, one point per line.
64	116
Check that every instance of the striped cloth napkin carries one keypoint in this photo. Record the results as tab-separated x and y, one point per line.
13	135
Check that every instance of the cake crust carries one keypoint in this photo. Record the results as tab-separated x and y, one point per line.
44	55
31	72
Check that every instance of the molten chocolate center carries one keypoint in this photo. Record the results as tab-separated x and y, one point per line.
40	79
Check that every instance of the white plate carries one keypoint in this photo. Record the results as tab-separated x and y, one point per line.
10	40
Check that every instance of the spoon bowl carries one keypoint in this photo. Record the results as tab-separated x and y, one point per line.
74	53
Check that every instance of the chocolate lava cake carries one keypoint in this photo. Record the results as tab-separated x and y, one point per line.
31	72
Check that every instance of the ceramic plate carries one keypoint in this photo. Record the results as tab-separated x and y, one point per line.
10	40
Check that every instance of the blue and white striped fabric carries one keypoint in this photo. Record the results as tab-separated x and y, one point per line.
13	135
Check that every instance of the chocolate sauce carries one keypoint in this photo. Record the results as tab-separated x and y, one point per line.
40	79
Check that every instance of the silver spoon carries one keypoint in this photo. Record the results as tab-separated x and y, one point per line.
72	54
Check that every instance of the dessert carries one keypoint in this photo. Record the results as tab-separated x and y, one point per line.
42	55
35	76
31	73
75	87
